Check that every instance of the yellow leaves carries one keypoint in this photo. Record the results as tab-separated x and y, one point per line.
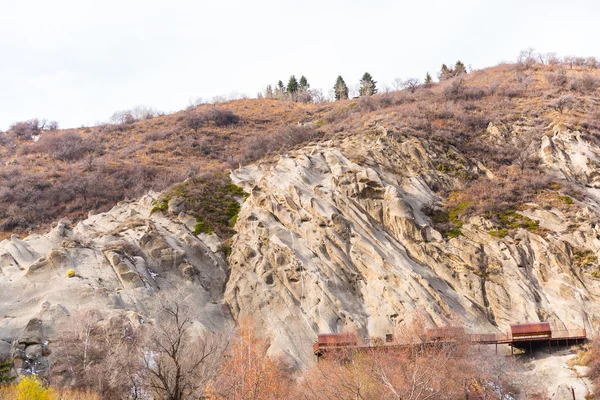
248	373
30	388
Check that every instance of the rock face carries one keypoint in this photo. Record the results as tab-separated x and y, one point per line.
30	350
121	258
326	244
332	237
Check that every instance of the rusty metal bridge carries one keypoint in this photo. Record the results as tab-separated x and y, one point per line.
521	336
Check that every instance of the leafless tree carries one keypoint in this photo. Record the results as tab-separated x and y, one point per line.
93	351
194	120
52	126
318	96
411	84
527	58
178	362
397	83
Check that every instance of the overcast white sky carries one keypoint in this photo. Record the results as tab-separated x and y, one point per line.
78	61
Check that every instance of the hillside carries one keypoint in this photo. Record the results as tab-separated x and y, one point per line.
473	201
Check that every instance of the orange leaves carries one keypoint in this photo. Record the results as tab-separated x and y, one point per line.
248	373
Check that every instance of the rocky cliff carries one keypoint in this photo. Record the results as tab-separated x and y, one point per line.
332	236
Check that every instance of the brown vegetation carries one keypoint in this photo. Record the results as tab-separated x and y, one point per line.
68	173
172	360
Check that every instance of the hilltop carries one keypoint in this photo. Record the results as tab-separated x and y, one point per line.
473	201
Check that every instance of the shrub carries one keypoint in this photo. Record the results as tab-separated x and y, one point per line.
222	117
68	146
30	388
213	200
197	119
27	129
257	147
563	103
584	83
557	78
70	273
5	372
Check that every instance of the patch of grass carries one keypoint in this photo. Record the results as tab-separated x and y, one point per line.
160	204
584	258
513	220
5	372
320	123
213	200
202	227
566	199
448	221
499	233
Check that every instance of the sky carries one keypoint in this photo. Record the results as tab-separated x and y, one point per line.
78	61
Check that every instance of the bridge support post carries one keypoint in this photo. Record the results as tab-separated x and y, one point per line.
550	345
530	349
496	348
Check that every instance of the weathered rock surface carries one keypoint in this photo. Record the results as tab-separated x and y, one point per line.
332	237
326	244
122	259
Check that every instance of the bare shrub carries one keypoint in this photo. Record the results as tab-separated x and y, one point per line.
526	59
592	120
563	103
222	117
366	104
557	78
197	119
410	84
52	126
194	120
585	82
454	90
457	91
152	136
258	146
386	99
124	117
474	121
293	135
592	62
143	112
27	129
68	146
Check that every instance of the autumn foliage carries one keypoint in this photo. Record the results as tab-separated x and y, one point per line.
248	372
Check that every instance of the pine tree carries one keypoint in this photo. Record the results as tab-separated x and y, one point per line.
459	68
445	73
292	86
303	83
340	89
428	78
367	85
279	90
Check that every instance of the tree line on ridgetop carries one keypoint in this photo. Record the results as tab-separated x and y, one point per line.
300	91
